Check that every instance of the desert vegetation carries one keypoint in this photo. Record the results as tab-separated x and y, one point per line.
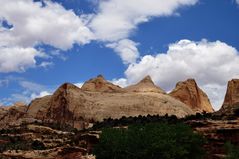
150	141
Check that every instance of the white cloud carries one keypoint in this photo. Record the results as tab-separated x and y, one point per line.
46	64
216	93
212	64
80	84
41	94
126	49
116	19
122	82
33	25
17	59
237	1
51	24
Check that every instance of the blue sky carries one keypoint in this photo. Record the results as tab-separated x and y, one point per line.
43	46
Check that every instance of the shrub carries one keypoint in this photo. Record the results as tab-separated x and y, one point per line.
38	145
232	151
150	141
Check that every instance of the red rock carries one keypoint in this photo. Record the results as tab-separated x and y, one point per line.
232	94
99	84
145	85
189	93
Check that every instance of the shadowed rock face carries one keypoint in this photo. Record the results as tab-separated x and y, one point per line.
232	94
99	84
145	85
62	103
78	107
231	101
189	93
11	114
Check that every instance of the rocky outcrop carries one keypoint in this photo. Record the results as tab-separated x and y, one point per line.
231	101
39	107
145	85
11	114
189	93
79	108
99	84
66	105
232	94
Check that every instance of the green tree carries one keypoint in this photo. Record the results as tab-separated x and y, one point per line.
150	141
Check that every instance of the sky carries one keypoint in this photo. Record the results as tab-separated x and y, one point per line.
44	43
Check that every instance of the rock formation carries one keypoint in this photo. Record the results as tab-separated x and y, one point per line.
145	85
39	107
12	114
80	107
189	93
231	101
232	94
99	84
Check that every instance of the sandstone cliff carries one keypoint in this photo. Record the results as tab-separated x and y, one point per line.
12	114
145	85
189	93
78	107
232	94
231	101
99	84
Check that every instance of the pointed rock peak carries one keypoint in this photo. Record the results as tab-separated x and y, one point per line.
232	94
101	77
147	79
234	81
189	93
66	86
189	81
99	84
145	85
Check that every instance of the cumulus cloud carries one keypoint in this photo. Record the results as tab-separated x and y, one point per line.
32	25
212	64
126	49
116	19
17	59
122	82
51	24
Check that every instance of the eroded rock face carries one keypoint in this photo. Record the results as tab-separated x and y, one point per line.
145	85
231	101
10	115
99	84
39	107
79	108
189	93
232	94
65	103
